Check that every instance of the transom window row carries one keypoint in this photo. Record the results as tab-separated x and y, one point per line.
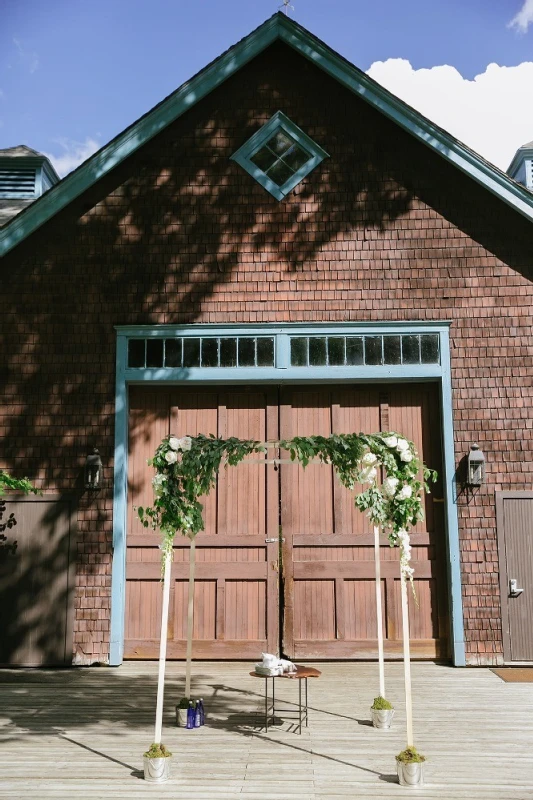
210	351
338	351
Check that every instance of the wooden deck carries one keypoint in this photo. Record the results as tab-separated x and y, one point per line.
81	733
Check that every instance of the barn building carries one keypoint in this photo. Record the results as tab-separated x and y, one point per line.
279	247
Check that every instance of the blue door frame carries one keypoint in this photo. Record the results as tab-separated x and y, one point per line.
281	373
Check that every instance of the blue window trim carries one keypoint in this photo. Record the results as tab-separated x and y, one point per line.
282	373
278	122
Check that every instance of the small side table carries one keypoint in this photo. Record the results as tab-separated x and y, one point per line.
302	674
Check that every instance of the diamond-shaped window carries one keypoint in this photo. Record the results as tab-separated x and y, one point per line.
279	155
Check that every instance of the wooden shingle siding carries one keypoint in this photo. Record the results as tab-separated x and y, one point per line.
382	230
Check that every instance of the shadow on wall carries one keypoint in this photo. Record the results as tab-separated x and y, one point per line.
176	227
36	582
179	234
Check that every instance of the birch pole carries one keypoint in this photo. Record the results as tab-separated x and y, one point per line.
162	649
190	619
406	661
379	611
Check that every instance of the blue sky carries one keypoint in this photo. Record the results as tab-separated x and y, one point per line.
74	74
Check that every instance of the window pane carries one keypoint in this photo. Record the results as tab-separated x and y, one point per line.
173	352
265	352
154	352
191	352
280	142
263	159
336	351
299	352
317	352
228	352
246	352
373	353
209	352
280	173
354	351
411	349
296	158
136	352
392	350
430	348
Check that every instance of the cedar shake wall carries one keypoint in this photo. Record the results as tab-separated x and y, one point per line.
384	229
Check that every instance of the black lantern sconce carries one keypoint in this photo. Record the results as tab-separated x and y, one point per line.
93	470
475	467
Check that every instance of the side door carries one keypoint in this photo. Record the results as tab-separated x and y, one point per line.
37	580
514	512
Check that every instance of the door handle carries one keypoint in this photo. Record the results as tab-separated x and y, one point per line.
514	591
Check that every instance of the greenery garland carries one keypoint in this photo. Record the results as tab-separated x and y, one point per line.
187	469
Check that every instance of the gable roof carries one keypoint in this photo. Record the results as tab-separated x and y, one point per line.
278	28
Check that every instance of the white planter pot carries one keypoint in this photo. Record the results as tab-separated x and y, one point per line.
382	717
156	770
181	717
410	774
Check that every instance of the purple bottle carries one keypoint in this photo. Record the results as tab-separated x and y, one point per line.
190	716
197	715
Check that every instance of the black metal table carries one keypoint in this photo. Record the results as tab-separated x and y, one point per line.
302	674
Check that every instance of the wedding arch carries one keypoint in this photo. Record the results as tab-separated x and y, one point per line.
387	464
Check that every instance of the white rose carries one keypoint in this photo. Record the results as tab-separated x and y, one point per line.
186	443
406	456
369	459
389	486
404	493
368	475
174	443
390	441
171	457
401	445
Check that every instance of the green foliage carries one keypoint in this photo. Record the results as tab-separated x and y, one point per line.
15	484
185	473
187	469
380	704
184	702
157	751
410	756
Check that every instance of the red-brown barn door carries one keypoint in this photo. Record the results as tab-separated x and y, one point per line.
328	558
236	588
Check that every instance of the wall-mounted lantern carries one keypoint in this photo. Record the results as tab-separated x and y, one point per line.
476	467
93	470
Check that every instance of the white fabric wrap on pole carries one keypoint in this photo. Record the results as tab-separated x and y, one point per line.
162	650
407	662
379	612
190	619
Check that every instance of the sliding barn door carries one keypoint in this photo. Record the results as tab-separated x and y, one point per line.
328	557
236	588
327	589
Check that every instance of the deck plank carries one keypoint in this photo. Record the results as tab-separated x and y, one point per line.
82	733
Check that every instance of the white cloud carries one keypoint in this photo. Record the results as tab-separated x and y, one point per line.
72	155
524	18
27	57
492	114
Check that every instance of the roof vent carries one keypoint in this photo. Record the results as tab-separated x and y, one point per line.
25	175
17	182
